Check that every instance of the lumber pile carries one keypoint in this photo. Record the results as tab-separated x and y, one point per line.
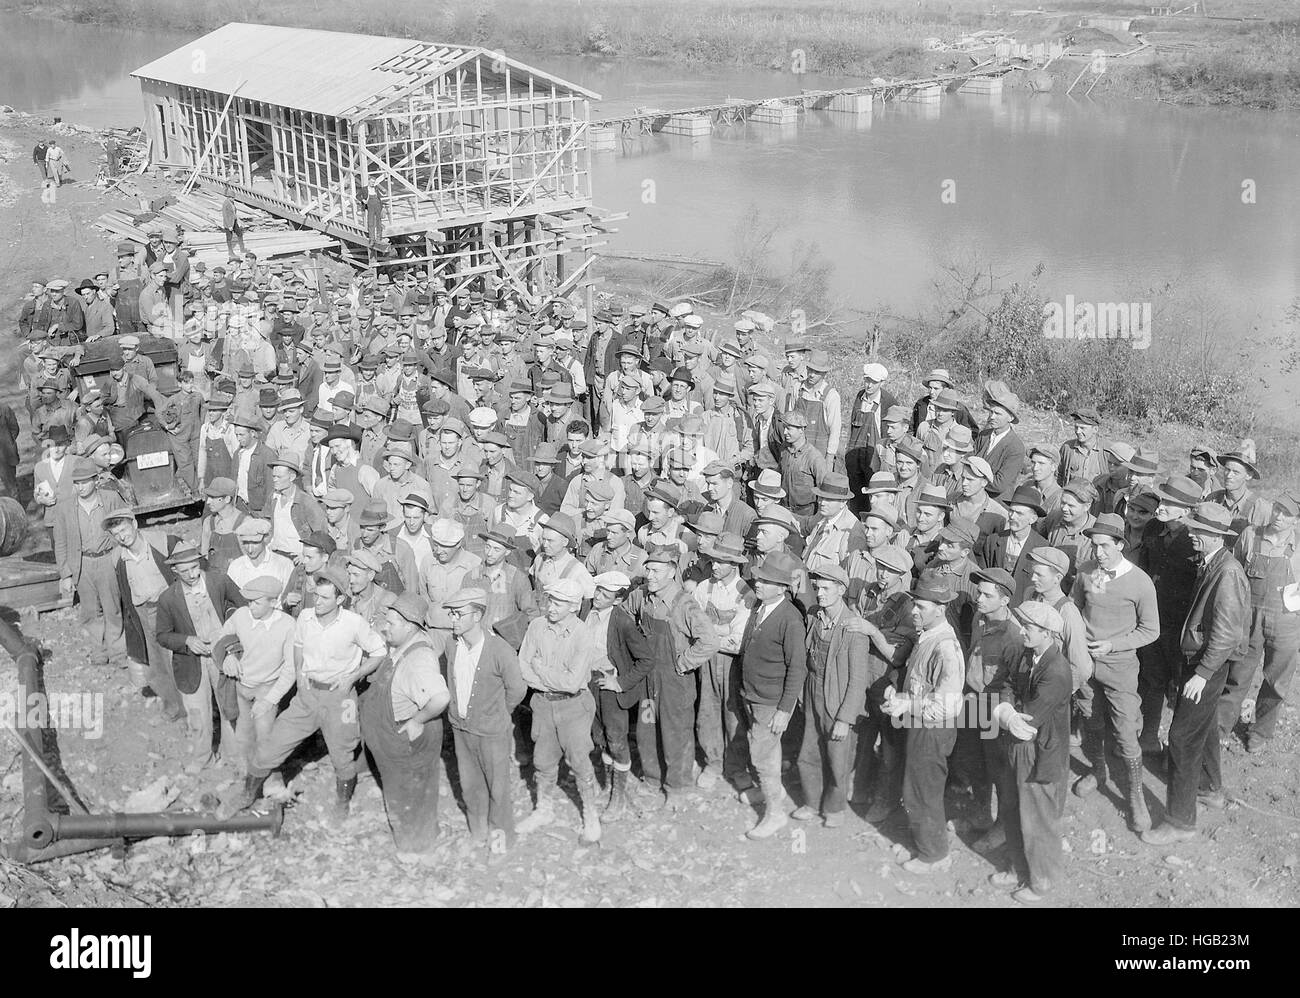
198	215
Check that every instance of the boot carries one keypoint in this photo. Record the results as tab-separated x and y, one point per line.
543	814
774	818
888	796
982	814
343	791
243	800
1138	819
1149	740
590	819
1094	752
618	805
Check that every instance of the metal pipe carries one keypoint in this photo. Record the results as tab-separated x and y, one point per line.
143	826
47	835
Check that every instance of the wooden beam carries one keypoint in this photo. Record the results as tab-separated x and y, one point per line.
189	184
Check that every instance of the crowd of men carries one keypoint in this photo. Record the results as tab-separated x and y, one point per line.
665	557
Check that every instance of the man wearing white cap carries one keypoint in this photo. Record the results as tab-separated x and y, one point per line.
446	572
556	660
869	406
258	559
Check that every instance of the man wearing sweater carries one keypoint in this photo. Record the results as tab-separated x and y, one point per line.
926	707
1121	615
773	666
1215	634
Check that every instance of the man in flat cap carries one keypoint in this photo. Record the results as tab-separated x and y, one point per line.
1215	636
82	547
556	660
335	649
803	467
486	686
682	639
1067	528
258	559
1032	718
834	697
1121	614
870	404
401	725
446	572
263	666
930	699
1083	457
554	558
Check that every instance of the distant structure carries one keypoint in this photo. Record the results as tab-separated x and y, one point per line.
450	156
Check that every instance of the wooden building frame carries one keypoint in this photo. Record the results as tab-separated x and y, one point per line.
480	163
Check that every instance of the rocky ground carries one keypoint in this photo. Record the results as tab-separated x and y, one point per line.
1246	856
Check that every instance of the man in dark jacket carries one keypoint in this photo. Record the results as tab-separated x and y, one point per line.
998	443
869	407
1009	546
1215	636
143	575
189	617
622	686
834	697
773	665
1033	716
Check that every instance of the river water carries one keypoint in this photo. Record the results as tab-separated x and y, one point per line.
1115	198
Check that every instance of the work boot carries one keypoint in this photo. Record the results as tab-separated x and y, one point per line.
590	819
774	819
343	791
1094	752
543	814
617	808
982	816
245	799
1138	819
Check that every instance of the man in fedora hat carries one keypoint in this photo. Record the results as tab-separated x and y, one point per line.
949	465
143	575
616	551
953	568
945	423
773	666
890	632
1141	469
1121	614
336	649
803	467
292	513
397	561
518	512
508	593
556	660
1215	635
486	686
555	559
929	700
189	618
1032	719
250	462
870	404
1168	556
932	506
1010	547
401	725
924	410
837	531
1083	457
348	469
1271	556
1238	470
998	443
834	698
727	600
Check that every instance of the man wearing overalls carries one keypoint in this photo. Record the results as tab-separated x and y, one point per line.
1271	556
402	727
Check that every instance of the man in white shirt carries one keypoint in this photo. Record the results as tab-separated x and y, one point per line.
727	600
333	649
257	558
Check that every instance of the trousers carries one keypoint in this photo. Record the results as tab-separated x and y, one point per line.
251	730
1194	749
562	730
823	761
1274	646
483	763
1116	704
158	669
925	774
718	723
1031	819
666	732
764	748
333	713
614	724
100	607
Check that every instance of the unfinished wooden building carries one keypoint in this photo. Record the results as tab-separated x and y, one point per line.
452	156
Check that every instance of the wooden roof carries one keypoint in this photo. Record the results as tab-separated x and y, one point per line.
326	72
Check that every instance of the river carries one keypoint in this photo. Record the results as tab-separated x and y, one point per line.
1115	198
